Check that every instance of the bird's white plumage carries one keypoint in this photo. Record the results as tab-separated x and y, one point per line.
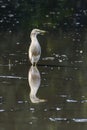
35	48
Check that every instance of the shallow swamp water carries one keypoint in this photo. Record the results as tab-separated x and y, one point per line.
58	95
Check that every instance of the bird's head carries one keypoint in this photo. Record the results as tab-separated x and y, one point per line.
35	32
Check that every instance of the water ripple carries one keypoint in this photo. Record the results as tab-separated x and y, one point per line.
71	100
1	100
48	58
57	119
79	120
12	77
84	101
2	110
21	102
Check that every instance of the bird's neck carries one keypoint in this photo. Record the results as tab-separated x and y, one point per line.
34	39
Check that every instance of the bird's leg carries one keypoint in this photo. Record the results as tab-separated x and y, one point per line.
34	63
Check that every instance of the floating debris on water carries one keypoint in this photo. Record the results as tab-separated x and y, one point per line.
58	109
11	15
81	51
64	96
3	6
20	102
18	43
32	109
60	61
80	61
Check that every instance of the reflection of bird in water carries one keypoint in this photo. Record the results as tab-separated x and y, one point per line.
34	80
35	49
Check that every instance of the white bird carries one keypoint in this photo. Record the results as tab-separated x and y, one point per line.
35	48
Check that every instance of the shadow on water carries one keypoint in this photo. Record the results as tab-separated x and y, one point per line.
60	78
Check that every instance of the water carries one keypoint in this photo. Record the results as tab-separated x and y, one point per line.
59	87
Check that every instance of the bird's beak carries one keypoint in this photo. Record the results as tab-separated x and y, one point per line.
42	32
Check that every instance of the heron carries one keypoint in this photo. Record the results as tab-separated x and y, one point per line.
35	48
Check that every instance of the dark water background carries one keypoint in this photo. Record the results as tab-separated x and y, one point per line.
62	66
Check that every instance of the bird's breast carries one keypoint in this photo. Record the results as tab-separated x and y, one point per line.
35	49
